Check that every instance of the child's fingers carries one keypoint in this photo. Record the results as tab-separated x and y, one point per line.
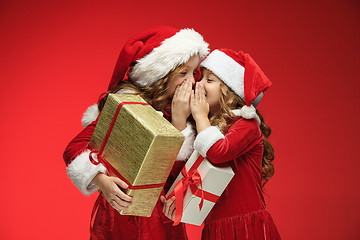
167	204
163	200
123	203
176	93
197	93
180	91
119	193
116	205
188	90
192	97
181	86
202	93
173	215
119	182
124	196
172	209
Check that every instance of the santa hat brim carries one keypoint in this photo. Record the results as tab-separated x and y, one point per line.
172	52
225	68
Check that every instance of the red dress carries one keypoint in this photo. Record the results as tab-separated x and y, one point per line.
108	223
240	212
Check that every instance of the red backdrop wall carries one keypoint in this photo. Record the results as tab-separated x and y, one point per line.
57	57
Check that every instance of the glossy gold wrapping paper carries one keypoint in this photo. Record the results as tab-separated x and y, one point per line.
142	147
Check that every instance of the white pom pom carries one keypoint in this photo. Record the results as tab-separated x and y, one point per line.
248	112
90	115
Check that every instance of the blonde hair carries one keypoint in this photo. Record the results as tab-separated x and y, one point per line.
224	118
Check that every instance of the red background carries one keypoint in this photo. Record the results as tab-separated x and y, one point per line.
57	57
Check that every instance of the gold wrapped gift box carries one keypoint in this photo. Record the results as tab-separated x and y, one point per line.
142	147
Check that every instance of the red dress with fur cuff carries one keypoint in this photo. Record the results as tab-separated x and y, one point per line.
240	212
109	224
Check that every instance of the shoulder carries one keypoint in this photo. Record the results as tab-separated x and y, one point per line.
246	123
246	127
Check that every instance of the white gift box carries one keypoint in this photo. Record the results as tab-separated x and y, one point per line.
214	180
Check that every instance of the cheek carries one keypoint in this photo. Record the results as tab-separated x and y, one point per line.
214	92
176	82
173	84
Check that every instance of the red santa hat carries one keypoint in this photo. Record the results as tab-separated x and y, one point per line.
241	74
153	53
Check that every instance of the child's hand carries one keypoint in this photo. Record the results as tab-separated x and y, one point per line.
180	105
199	106
169	207
110	187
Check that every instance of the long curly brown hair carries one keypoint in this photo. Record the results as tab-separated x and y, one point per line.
155	95
224	118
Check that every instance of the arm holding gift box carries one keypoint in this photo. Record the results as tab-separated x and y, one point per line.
109	186
89	177
169	207
81	171
79	168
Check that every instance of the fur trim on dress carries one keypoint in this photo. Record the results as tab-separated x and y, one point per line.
188	146
206	138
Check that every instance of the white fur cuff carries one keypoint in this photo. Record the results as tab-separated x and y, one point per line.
90	115
188	146
81	171
206	138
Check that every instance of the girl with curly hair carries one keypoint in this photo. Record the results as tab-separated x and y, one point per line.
231	132
156	64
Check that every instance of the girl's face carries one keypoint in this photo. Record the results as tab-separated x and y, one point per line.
186	71
211	84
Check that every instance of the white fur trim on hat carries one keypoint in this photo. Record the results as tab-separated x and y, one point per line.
172	52
247	112
206	138
81	171
188	146
90	115
227	69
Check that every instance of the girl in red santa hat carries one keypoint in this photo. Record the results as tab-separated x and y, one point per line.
158	64
231	132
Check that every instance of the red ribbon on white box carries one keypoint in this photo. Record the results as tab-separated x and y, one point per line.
191	179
